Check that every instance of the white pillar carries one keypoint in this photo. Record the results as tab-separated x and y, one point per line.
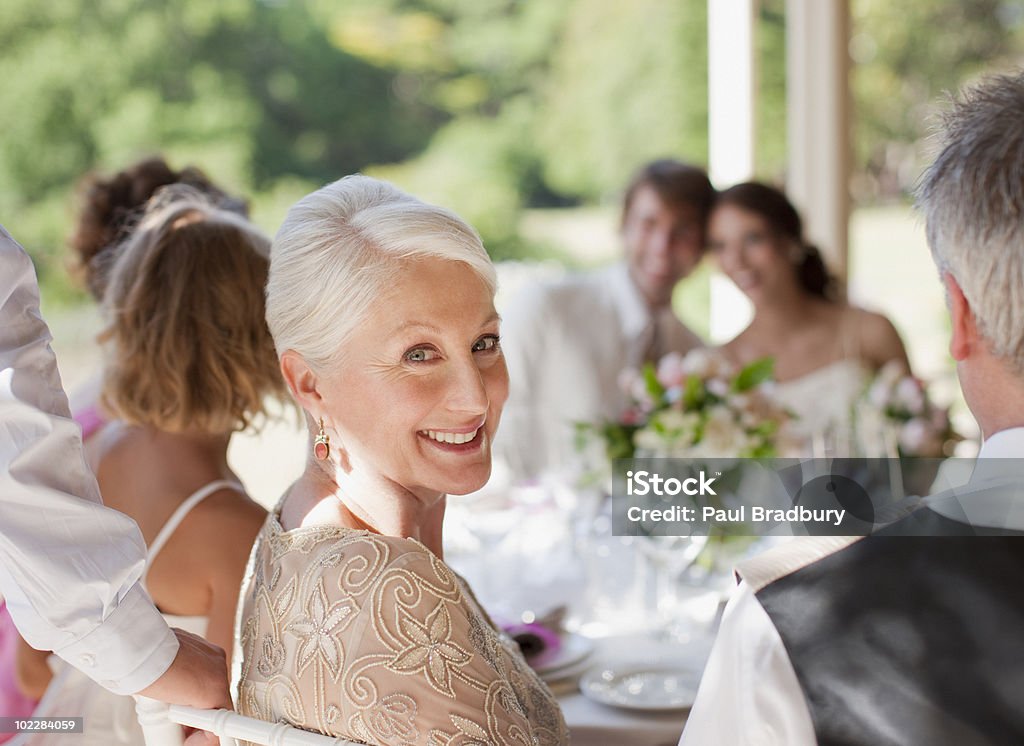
731	107
818	121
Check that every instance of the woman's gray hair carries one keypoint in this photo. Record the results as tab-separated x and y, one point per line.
972	198
341	247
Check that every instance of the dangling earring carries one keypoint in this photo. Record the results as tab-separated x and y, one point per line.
321	443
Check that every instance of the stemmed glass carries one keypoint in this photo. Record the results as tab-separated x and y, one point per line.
668	558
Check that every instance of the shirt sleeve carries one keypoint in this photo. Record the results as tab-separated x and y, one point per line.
69	568
749	694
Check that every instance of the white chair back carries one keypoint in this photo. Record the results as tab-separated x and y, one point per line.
161	724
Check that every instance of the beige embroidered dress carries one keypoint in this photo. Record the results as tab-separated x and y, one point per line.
374	639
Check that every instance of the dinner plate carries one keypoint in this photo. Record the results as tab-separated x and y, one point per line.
650	687
566	672
574	649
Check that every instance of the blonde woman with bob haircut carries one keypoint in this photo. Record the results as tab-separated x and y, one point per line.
189	362
382	311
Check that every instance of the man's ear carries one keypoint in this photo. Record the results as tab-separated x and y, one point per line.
965	336
301	381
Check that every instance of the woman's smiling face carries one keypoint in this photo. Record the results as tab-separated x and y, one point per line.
750	254
417	392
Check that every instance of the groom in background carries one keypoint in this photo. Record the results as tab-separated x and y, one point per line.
566	343
910	639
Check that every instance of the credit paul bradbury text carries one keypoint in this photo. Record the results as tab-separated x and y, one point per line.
760	497
757	514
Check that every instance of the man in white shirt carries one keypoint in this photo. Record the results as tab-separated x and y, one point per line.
69	568
910	639
567	343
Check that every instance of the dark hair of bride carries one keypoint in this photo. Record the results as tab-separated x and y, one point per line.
783	219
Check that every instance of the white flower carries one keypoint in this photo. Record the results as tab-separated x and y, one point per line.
723	436
706	363
646	439
740	402
671	370
718	387
910	396
917	439
676	420
632	382
891	373
700	362
879	394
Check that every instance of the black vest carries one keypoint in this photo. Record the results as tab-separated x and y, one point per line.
915	640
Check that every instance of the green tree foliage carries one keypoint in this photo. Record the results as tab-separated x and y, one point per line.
253	92
628	83
551	102
770	134
482	63
906	56
486	106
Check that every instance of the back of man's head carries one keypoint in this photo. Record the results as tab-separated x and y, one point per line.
678	185
972	198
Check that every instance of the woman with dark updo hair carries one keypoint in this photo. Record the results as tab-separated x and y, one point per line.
825	349
111	205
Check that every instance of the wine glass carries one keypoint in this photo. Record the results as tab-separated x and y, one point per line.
668	558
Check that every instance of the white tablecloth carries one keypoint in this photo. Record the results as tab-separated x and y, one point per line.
525	558
595	724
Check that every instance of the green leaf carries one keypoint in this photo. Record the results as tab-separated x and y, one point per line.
693	393
618	440
653	385
756	372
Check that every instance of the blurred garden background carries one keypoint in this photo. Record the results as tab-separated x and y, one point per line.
525	116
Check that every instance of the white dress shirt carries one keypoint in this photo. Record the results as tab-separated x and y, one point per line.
749	693
566	345
68	566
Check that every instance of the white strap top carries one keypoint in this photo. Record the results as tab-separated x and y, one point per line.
195	624
179	515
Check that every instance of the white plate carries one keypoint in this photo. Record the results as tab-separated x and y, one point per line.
574	649
566	672
650	687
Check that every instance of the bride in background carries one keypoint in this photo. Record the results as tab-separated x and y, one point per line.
825	349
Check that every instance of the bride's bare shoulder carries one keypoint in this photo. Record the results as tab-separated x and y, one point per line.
878	340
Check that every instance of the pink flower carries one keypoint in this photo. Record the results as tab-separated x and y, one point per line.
917	439
632	416
718	387
671	370
910	395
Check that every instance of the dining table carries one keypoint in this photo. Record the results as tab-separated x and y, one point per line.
524	558
593	723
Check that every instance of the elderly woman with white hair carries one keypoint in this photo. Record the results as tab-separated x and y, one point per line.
381	308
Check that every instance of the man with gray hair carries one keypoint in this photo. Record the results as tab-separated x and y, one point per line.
912	637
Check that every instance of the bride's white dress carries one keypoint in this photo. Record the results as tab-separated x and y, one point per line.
824	399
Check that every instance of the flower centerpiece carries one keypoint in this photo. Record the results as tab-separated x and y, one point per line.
898	406
698	406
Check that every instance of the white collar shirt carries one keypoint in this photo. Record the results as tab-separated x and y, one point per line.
749	693
69	567
566	345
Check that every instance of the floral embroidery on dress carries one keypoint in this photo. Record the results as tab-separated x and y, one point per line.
374	639
431	649
319	631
